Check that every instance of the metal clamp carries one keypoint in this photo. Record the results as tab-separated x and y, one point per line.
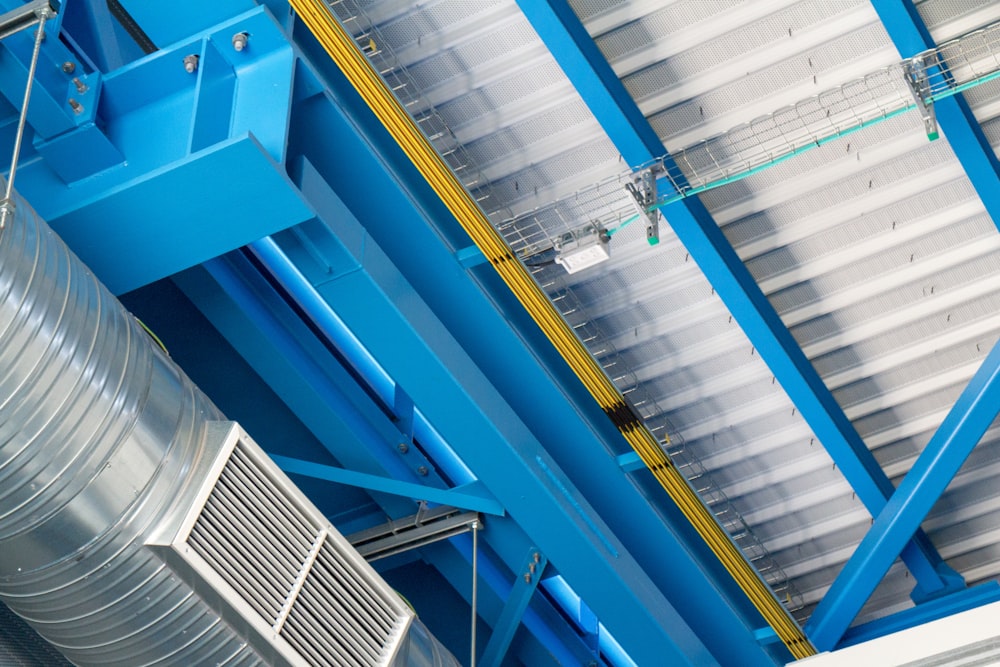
26	16
642	187
916	70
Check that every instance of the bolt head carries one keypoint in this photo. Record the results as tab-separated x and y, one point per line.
403	447
68	67
240	41
422	471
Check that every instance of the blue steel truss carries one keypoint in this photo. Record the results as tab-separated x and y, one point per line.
181	168
271	140
592	76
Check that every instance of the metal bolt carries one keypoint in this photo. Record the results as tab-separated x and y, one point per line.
190	63
531	568
75	106
527	577
537	557
422	471
240	41
81	87
68	67
403	447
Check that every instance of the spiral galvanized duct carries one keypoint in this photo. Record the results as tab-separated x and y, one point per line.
99	432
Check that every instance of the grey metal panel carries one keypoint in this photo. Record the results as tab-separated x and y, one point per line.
874	249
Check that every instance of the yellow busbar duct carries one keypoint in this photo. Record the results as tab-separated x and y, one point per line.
390	112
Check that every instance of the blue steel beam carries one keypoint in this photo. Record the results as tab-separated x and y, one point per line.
965	424
279	347
387	194
525	582
384	313
965	135
602	91
409	222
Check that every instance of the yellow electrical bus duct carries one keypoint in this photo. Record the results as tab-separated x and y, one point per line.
356	67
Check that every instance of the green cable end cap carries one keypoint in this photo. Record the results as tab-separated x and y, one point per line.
653	240
933	135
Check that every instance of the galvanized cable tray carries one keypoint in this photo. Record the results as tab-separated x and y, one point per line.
914	84
378	50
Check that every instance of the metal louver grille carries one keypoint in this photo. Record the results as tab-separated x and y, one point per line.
333	622
280	570
253	537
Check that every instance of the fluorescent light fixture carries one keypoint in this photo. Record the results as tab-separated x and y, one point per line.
582	248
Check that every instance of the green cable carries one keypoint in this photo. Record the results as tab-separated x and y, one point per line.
711	185
152	335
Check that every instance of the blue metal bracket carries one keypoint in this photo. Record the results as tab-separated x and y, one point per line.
965	424
965	136
451	497
470	256
50	112
618	114
525	582
64	102
494	591
191	211
184	135
630	462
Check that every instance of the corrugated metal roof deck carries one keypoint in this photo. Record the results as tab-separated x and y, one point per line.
874	248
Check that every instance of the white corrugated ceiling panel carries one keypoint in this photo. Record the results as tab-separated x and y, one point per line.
874	249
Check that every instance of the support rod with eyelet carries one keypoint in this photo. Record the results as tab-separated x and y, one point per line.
7	204
475	587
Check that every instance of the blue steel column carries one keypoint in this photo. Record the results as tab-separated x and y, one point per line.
581	60
934	469
910	35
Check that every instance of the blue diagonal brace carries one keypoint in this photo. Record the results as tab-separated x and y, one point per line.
452	497
934	469
602	91
525	583
910	35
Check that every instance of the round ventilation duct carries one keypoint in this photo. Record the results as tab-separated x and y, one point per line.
100	433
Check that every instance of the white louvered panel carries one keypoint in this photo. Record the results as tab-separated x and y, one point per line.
276	564
338	623
256	542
